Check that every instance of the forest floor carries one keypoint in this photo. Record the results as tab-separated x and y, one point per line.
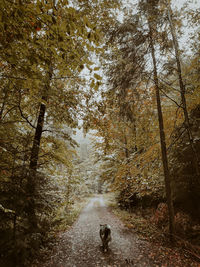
80	246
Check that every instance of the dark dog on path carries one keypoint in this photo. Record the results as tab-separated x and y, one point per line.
105	235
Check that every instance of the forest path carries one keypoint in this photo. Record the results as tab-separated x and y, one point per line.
81	245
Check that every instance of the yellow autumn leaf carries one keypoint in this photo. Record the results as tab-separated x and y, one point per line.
97	76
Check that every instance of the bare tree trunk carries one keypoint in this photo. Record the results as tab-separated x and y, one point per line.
182	92
31	183
162	141
14	228
125	147
3	104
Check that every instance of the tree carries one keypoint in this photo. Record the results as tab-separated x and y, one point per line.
127	80
182	93
152	15
59	38
125	117
45	46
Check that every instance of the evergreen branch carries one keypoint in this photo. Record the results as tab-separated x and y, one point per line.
174	142
169	85
53	78
171	99
167	95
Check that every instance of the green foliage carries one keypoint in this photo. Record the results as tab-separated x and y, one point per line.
45	50
45	45
125	118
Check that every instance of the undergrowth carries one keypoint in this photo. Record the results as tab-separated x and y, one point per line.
60	224
151	224
136	220
70	215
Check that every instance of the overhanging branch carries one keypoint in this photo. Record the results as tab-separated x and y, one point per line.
26	118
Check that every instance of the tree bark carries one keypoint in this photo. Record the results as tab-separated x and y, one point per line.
162	141
125	147
3	104
31	182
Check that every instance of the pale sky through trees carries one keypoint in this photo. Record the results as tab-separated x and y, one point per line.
193	4
180	3
177	3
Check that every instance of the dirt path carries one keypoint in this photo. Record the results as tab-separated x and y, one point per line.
81	246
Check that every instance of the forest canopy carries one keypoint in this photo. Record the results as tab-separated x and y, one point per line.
130	74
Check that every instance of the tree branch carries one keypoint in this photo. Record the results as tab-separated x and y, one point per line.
171	99
26	119
174	142
3	117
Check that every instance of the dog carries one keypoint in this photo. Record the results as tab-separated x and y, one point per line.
105	235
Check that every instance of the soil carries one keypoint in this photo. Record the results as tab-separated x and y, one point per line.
81	245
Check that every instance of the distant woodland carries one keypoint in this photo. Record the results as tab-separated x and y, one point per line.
130	76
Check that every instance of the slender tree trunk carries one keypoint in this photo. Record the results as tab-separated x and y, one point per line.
134	130
3	104
182	92
162	141
2	109
14	228
126	146
33	168
31	183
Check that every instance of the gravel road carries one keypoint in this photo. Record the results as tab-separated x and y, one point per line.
81	245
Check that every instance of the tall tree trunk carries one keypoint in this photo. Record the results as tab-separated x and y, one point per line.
162	141
182	92
3	104
31	182
126	147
